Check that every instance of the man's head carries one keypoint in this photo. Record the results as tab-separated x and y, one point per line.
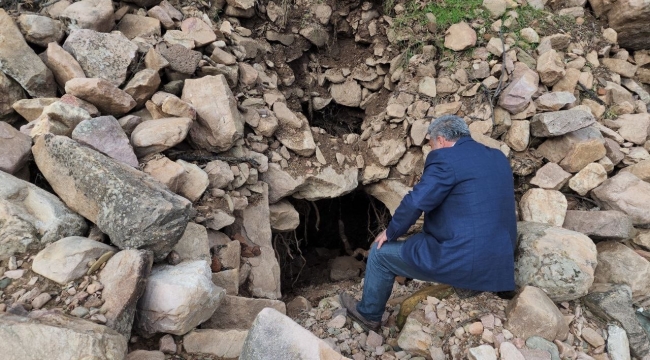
445	130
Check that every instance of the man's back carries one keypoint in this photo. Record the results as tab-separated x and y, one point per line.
468	240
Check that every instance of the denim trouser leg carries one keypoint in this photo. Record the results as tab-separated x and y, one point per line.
383	265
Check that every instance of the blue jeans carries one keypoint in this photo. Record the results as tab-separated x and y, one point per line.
383	265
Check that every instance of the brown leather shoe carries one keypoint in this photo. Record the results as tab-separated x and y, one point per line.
348	302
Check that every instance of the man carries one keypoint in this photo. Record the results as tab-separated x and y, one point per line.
469	234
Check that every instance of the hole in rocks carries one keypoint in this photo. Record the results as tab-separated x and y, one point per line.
305	254
337	120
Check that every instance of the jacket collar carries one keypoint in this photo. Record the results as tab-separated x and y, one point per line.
462	140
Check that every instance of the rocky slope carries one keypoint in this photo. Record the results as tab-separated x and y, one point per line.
149	150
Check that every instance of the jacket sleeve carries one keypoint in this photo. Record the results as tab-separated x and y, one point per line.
436	183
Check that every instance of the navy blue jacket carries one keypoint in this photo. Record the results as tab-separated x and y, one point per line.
470	227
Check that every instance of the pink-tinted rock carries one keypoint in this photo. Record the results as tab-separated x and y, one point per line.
108	98
200	32
63	65
516	96
105	135
15	148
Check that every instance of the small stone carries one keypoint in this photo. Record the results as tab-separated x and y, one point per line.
79	311
476	328
167	344
460	37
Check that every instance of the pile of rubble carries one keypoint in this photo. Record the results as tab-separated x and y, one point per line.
166	142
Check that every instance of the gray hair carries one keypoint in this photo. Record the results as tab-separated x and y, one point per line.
450	127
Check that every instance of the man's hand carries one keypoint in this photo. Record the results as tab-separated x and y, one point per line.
380	239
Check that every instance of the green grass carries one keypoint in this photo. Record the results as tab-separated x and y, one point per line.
447	12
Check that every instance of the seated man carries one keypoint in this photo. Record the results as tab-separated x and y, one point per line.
469	234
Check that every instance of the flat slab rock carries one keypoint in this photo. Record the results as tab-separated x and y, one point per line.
132	208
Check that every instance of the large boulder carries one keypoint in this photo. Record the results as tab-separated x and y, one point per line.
124	278
51	335
33	217
328	183
627	193
132	208
275	336
239	312
67	259
629	18
532	313
15	148
95	15
219	123
559	261
21	63
177	298
105	56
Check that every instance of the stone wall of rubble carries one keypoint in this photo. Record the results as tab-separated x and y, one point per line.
172	139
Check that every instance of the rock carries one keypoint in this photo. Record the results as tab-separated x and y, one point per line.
21	63
315	34
285	116
219	123
108	98
105	135
529	35
427	86
301	140
158	135
124	278
550	176
180	58
133	26
15	148
389	152
50	335
509	351
634	127
281	183
177	298
347	93
193	245
588	178
284	216
576	149
614	303
239	313
517	95
621	67
228	280
627	193
496	8
161	15
460	37
32	217
483	352
166	171
219	174
199	31
67	259
560	122
59	118
550	68
344	268
40	30
559	261
143	84
221	343
96	15
618	346
297	306
554	101
569	81
518	135
274	336
113	195
373	173
544	349
532	313
592	337
328	184
221	57
193	182
618	264
599	224
543	206
62	64
412	338
100	55
10	93
640	170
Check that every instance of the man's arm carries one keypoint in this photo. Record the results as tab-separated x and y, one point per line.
437	181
